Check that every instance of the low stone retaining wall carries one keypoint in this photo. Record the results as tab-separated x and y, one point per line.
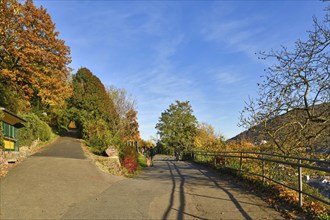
109	165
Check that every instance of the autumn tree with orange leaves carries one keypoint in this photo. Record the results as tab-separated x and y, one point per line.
33	60
207	139
130	129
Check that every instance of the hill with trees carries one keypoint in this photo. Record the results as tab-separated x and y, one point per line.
287	137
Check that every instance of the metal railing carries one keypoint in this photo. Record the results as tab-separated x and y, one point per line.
295	163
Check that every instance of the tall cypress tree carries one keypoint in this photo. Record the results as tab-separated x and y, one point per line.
90	96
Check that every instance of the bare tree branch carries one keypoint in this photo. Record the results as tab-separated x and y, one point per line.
293	107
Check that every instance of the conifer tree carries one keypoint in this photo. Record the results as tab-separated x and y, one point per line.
89	95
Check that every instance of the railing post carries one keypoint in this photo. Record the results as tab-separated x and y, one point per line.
240	163
263	168
300	183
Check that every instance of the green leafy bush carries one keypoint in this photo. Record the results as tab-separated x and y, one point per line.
35	129
62	121
97	135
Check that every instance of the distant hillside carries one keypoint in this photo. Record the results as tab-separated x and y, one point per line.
255	134
251	135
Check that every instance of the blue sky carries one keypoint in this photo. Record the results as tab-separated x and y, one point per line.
200	51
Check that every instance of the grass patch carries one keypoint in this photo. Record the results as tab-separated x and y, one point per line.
142	161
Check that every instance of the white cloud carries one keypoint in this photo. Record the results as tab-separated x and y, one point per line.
240	35
166	48
227	78
221	30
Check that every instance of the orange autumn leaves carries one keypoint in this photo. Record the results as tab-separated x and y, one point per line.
33	60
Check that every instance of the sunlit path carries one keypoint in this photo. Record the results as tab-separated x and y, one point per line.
60	183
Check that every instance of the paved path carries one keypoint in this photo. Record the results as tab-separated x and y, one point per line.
60	183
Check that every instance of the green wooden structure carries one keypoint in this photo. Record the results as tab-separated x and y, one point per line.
11	123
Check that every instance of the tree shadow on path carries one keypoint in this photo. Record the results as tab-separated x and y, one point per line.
181	211
231	196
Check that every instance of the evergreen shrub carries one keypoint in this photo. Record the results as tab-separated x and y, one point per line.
97	135
35	129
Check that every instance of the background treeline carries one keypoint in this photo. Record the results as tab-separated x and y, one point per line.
36	83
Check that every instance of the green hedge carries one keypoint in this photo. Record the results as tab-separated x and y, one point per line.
34	129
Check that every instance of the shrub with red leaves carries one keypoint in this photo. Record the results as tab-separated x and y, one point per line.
129	158
130	163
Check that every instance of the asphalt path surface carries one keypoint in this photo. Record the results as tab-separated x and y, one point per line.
61	183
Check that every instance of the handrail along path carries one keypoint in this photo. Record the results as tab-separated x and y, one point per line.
296	162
